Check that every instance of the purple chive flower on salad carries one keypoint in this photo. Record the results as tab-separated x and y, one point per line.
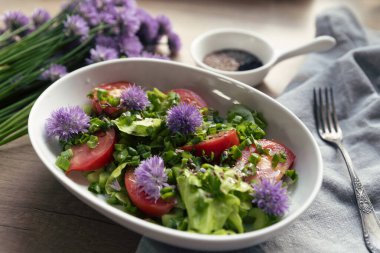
183	118
66	122
134	98
151	177
271	197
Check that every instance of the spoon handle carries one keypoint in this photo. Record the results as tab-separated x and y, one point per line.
321	43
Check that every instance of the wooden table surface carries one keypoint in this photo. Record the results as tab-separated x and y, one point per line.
38	215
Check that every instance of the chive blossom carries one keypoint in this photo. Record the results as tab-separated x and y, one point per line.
151	177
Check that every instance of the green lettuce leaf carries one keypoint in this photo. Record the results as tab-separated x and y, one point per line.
144	127
210	201
113	181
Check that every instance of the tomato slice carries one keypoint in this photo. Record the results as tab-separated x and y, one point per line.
114	89
85	158
139	198
264	166
190	97
216	143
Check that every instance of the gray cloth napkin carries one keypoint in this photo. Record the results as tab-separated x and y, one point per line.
352	69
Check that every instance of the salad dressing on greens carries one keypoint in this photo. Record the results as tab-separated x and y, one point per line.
166	157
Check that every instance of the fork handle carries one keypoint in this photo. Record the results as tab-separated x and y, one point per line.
370	222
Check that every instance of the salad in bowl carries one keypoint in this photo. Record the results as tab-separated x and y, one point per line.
168	165
167	157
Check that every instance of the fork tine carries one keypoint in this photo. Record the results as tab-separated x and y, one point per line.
316	110
333	113
322	113
328	112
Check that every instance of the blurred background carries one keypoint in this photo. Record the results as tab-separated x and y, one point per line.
284	23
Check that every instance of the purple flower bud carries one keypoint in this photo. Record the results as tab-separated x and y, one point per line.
151	177
271	197
174	43
14	20
89	12
77	26
131	46
66	122
108	18
165	26
129	22
134	98
54	72
39	17
101	53
183	118
148	31
106	41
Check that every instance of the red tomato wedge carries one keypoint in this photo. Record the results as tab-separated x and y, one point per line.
146	205
190	97
114	89
85	158
216	143
264	166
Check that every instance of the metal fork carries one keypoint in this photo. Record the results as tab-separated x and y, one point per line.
329	131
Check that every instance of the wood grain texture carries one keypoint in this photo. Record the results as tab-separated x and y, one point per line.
38	215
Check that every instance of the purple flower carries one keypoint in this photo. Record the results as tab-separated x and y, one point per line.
39	17
106	41
148	31
174	43
108	14
76	25
15	19
134	98
89	12
108	18
165	26
151	177
66	122
183	118
100	53
130	23
54	72
271	197
131	46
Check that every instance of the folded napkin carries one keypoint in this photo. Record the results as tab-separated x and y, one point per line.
352	69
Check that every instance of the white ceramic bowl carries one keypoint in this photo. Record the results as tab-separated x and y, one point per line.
232	38
219	92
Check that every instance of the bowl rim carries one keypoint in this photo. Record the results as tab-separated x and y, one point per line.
118	214
197	43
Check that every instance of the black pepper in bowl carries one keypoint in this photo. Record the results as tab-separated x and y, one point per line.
232	60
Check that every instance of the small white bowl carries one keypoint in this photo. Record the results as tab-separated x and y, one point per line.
253	43
220	93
